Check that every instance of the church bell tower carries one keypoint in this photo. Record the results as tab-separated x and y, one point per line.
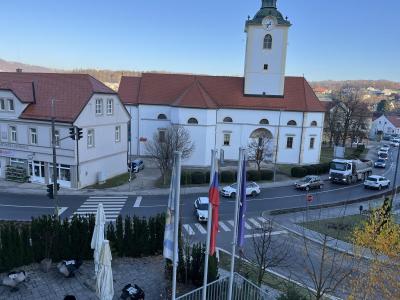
266	46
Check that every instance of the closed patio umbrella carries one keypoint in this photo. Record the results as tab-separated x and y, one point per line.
98	236
104	280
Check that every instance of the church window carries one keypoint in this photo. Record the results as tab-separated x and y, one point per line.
162	117
264	122
228	120
314	124
227	139
312	143
292	123
161	136
193	121
289	142
265	67
268	41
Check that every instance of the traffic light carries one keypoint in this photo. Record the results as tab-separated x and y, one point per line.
72	133
50	191
79	133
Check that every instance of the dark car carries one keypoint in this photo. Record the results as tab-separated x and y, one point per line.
309	182
137	165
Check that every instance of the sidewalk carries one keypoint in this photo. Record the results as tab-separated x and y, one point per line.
290	223
38	189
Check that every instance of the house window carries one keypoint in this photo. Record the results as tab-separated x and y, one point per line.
11	105
2	105
13	134
33	136
227	139
228	120
289	142
193	121
117	134
161	117
264	122
292	123
161	136
99	106
265	67
314	124
268	41
90	138
312	143
57	138
110	106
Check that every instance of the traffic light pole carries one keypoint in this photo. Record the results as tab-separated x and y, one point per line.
53	143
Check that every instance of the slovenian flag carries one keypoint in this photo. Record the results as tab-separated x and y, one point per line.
213	195
243	206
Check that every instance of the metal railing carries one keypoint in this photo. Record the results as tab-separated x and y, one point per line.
243	289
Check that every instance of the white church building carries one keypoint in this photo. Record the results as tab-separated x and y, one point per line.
224	112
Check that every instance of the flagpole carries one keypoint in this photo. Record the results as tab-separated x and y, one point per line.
235	227
209	221
177	190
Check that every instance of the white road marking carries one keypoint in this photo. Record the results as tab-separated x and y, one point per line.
138	200
247	236
188	229
262	219
106	197
247	225
26	206
61	210
231	223
200	228
223	226
254	222
112	206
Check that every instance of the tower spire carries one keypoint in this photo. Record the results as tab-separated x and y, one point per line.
269	3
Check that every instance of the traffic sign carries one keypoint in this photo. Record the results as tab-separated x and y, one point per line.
310	198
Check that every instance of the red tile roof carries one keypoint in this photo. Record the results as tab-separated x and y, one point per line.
200	91
71	92
394	119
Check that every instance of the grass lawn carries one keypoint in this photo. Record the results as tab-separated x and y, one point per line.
339	228
113	182
248	271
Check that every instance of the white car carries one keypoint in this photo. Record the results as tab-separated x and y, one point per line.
395	142
383	151
376	182
252	189
385	146
201	209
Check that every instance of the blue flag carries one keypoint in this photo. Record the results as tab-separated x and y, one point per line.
243	206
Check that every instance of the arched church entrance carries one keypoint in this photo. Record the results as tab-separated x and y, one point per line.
262	139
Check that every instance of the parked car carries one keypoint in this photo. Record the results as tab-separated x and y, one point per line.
395	142
252	189
380	163
309	182
384	156
201	209
376	182
137	165
385	147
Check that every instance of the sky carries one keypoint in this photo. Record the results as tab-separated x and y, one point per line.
342	39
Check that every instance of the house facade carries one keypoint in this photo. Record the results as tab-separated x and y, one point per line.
80	101
387	125
224	112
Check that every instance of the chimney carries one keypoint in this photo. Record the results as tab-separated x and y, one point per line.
18	70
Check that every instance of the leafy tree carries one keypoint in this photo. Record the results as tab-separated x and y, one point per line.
380	239
383	106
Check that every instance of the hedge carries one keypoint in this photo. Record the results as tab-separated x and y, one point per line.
23	243
317	169
298	172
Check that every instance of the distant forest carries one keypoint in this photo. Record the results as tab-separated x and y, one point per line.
378	84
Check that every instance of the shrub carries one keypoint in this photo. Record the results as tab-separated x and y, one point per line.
198	177
291	293
267	175
253	175
311	170
228	177
361	147
298	172
186	178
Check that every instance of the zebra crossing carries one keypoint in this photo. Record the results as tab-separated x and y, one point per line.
112	206
226	226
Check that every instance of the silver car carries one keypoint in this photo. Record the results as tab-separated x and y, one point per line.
309	182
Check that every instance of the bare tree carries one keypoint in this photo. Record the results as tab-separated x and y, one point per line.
325	268
266	253
258	150
165	143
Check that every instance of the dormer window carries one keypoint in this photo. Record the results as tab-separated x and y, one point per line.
11	105
268	41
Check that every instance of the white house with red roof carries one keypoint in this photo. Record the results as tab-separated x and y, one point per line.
81	101
386	124
225	112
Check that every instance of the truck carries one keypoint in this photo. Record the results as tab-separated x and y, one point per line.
349	170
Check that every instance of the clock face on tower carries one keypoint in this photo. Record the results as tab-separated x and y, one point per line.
268	23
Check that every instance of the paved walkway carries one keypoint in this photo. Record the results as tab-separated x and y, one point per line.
291	221
148	273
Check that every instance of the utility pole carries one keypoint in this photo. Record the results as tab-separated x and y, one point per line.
395	180
53	138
